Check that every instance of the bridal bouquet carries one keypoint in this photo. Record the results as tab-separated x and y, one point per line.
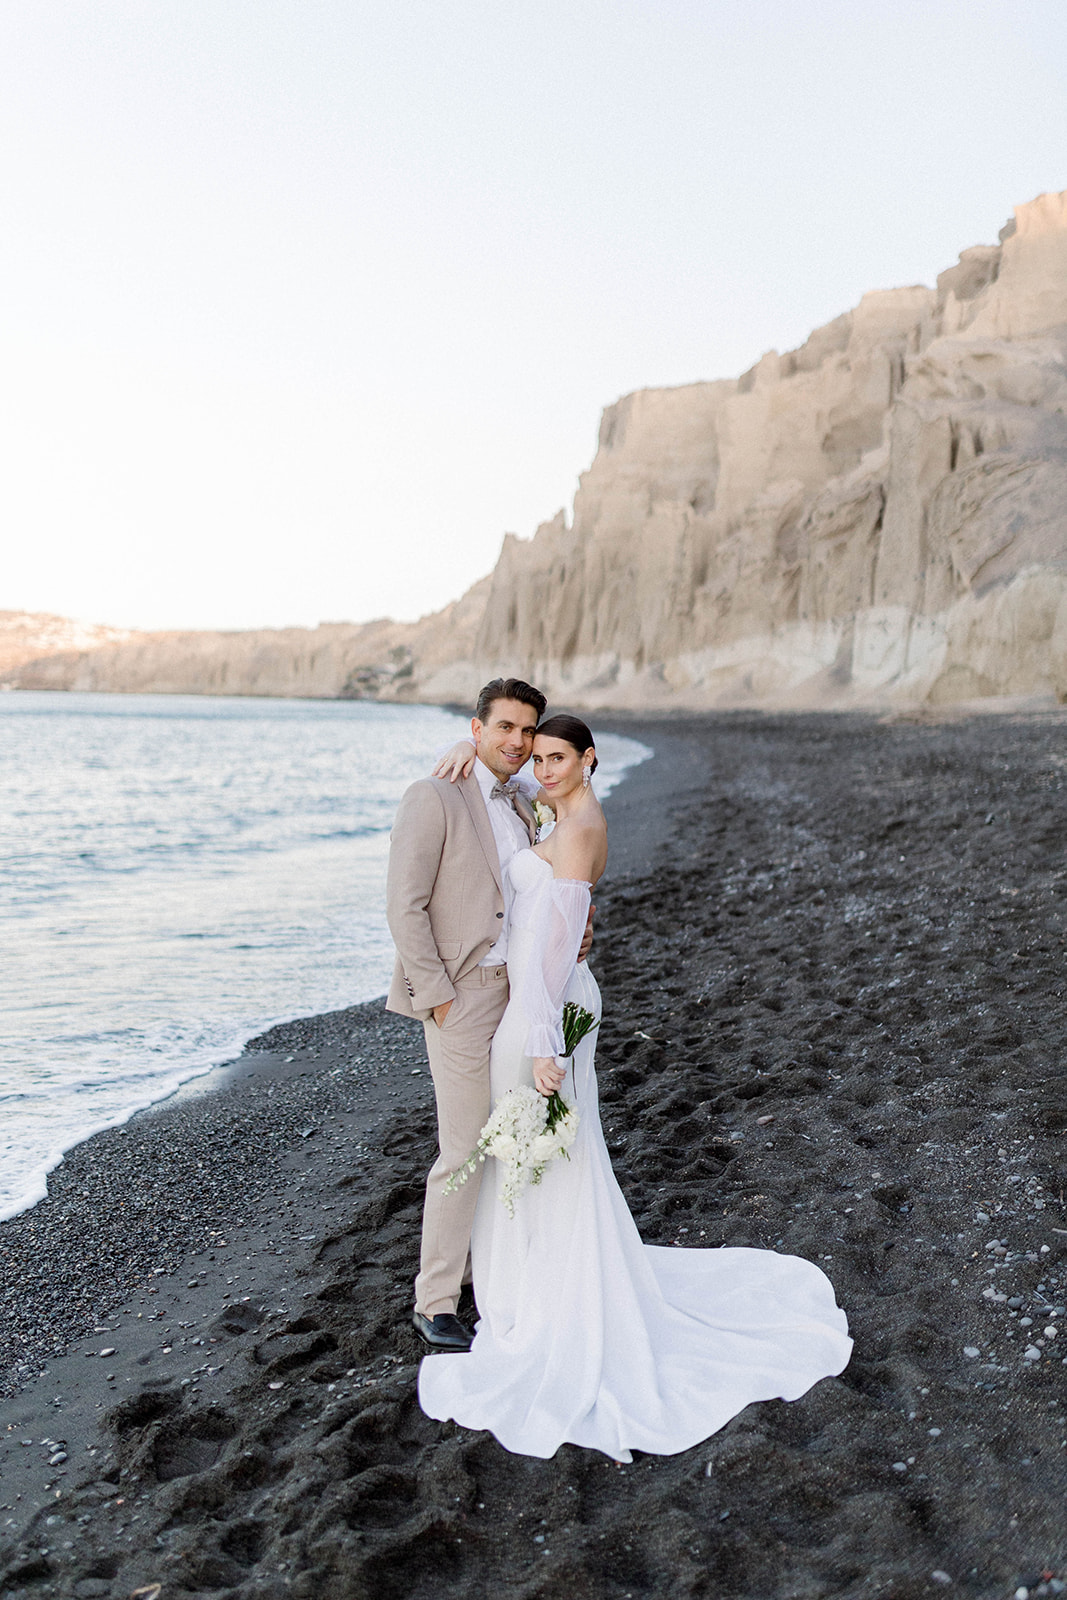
527	1131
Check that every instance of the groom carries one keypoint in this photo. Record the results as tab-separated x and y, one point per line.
447	907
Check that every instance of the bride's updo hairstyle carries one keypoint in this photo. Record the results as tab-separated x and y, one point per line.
572	730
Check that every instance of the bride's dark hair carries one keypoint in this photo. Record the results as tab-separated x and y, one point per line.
572	730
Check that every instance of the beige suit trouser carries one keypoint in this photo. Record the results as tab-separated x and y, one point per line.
459	1064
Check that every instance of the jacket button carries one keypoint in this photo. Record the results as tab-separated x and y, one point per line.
500	914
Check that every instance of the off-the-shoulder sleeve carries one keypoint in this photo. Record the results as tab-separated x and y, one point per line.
540	991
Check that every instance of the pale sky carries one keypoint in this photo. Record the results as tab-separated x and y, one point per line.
304	303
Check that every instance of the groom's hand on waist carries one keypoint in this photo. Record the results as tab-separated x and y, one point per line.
587	937
441	1012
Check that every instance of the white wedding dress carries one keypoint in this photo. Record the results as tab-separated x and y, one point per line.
587	1336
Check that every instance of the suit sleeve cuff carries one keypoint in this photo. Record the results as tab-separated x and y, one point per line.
436	995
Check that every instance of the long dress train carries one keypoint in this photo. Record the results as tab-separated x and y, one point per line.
586	1335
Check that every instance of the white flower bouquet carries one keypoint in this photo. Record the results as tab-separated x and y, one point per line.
528	1130
524	1133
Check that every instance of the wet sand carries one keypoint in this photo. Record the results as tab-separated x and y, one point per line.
832	956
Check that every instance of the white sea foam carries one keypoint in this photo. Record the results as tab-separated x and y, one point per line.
179	874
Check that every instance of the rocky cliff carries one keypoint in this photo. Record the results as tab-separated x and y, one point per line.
877	517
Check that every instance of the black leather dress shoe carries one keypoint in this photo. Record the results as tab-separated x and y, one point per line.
443	1332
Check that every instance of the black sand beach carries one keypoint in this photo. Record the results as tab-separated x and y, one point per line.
832	956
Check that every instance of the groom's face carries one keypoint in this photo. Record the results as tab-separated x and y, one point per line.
504	740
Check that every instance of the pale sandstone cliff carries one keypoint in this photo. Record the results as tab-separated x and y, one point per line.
877	517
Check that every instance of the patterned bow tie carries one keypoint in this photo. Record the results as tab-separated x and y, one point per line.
504	791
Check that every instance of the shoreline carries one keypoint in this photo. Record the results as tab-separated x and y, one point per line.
63	1181
161	1053
754	910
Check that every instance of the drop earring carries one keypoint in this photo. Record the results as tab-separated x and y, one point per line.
587	773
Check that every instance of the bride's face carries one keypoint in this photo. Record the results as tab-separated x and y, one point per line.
557	765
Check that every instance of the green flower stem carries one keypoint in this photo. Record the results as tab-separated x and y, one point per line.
557	1110
577	1022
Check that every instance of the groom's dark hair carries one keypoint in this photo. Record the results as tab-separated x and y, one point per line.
509	689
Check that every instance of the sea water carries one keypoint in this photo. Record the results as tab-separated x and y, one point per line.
177	873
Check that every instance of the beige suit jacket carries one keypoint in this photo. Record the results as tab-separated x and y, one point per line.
444	899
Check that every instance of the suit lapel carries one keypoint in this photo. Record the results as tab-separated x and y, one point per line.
526	812
470	789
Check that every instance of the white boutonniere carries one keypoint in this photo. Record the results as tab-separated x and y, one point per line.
546	819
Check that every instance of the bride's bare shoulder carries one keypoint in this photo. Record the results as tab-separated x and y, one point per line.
580	847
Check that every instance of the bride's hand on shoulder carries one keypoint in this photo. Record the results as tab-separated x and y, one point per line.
548	1076
457	762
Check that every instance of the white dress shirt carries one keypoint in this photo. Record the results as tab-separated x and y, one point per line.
509	832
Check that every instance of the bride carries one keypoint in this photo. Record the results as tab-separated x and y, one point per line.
586	1335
